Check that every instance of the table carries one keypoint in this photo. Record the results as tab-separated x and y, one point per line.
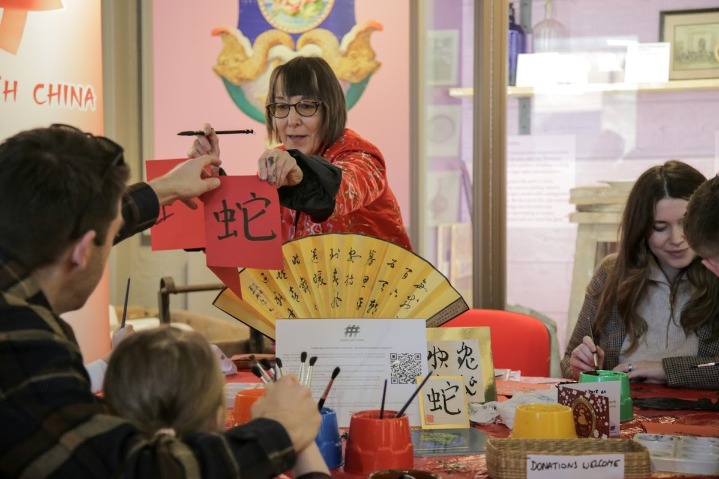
475	466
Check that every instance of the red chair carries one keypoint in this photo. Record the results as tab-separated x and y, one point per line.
519	341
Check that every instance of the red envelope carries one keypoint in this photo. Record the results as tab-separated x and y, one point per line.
242	224
178	226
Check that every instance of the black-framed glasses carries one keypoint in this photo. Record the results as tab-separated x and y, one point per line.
304	108
112	150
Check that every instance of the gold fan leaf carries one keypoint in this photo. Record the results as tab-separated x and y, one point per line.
343	275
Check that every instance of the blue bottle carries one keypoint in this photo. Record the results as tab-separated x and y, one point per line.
515	45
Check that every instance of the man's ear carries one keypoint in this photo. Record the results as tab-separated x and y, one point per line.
712	264
83	249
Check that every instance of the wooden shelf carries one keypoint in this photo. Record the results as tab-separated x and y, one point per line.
670	86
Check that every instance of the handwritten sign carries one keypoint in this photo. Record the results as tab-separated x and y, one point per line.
443	403
464	352
242	224
178	226
590	466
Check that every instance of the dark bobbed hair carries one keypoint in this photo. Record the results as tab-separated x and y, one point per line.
313	78
165	377
627	282
701	220
56	184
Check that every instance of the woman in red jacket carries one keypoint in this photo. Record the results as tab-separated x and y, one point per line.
329	178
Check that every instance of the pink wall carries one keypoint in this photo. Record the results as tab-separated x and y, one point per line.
187	92
58	50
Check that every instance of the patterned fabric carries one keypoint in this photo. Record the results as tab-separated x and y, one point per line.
679	370
365	203
52	426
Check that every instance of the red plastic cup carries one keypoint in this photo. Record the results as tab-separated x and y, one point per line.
243	404
376	444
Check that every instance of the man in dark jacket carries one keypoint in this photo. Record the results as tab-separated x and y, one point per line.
60	212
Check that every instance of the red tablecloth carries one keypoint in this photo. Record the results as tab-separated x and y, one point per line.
475	466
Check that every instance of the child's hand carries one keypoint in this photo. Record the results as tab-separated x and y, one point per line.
121	333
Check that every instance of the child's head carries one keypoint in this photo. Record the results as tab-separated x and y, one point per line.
166	378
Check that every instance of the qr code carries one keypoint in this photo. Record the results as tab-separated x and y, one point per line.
405	367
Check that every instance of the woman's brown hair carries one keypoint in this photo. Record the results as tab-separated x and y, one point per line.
312	78
165	378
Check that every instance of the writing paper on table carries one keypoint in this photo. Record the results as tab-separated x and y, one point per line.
368	351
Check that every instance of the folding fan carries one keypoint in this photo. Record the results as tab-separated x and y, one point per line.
343	275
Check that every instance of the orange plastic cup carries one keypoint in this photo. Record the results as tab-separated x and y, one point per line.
543	421
376	444
243	404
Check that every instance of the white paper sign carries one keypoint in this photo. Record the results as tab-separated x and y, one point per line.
540	173
591	466
647	62
610	389
367	351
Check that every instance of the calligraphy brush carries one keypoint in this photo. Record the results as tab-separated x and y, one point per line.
406	405
280	369
257	371
308	380
327	389
217	132
594	354
303	358
267	366
124	310
384	393
263	372
705	365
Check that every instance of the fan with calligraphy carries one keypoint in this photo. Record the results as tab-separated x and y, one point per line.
343	275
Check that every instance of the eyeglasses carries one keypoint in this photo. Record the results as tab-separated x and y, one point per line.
304	108
113	150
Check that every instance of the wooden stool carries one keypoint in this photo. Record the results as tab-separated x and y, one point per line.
599	212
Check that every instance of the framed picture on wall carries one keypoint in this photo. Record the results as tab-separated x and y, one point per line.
694	39
442	57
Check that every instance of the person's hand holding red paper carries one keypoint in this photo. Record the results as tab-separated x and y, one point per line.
238	225
178	226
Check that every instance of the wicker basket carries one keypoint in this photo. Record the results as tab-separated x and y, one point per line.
507	458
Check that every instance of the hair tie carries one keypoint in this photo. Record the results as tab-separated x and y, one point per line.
167	431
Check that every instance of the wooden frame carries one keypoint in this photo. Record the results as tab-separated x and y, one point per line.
694	39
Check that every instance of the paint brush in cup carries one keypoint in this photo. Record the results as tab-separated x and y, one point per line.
327	389
421	385
280	369
267	367
257	371
308	379
263	372
303	358
124	310
384	394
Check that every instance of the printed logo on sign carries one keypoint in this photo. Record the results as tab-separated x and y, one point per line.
352	330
